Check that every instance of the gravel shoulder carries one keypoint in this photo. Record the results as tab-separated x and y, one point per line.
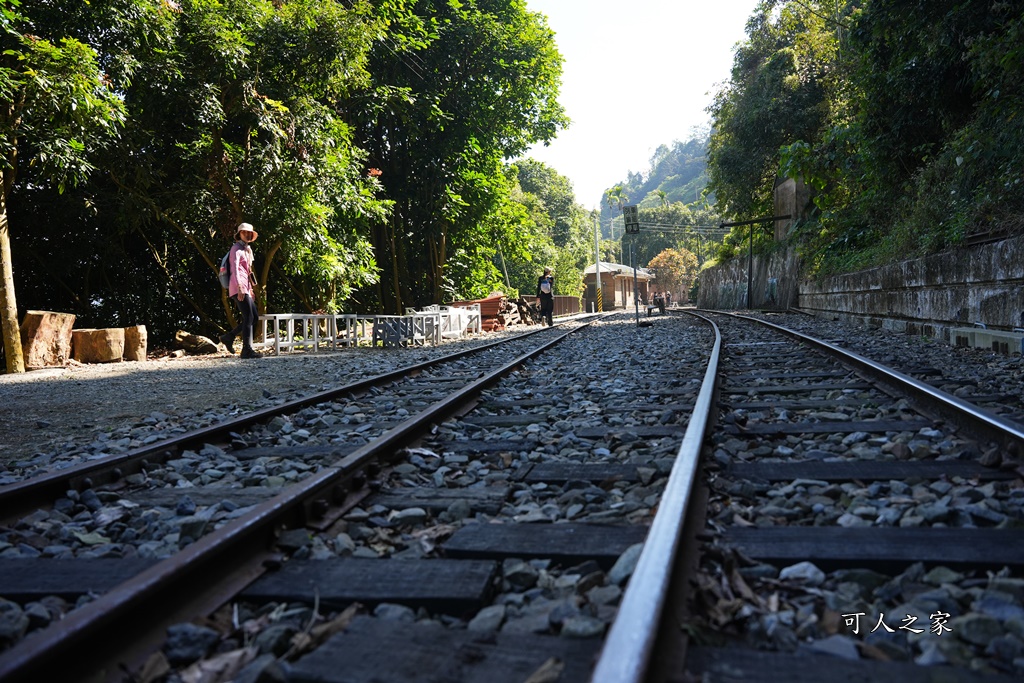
46	412
42	409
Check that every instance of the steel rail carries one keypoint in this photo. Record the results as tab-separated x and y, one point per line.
19	498
964	413
85	635
625	656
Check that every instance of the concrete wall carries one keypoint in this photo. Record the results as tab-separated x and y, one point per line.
983	283
775	283
792	198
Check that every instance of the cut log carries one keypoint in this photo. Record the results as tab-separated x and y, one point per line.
195	344
97	346
46	338
135	341
511	316
528	312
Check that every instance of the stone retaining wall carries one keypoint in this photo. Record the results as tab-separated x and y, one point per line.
928	296
931	295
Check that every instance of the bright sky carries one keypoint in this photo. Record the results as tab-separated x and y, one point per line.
684	48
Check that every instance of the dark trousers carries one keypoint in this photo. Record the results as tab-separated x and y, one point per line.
247	328
547	308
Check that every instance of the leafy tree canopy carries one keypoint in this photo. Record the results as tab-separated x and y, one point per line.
367	141
479	87
674	270
902	116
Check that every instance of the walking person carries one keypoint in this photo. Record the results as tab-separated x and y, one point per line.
546	296
240	289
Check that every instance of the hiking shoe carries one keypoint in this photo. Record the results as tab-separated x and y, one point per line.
250	353
228	340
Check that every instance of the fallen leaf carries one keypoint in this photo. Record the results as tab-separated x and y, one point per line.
155	669
741	588
739	521
220	668
435	532
305	642
549	672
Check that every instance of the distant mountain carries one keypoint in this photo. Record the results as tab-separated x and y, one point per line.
679	171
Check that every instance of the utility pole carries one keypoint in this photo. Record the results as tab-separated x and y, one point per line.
631	226
597	264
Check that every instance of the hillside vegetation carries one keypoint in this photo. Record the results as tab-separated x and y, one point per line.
677	173
676	214
904	116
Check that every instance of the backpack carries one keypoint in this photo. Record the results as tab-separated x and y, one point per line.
545	286
225	271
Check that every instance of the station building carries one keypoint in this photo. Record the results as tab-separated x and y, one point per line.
616	286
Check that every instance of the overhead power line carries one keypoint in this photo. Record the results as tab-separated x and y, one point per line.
666	226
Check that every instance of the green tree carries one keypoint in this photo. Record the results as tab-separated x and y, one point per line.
57	104
778	94
921	146
477	85
674	270
569	221
232	114
615	198
242	108
559	229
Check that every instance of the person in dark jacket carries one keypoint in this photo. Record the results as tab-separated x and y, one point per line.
240	264
546	296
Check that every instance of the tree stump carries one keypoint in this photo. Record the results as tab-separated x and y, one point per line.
46	338
135	340
97	346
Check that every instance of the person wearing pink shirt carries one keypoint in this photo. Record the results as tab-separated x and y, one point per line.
240	289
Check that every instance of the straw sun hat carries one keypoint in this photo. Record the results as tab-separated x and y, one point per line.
247	227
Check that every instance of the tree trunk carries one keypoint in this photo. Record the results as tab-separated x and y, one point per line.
261	285
395	269
8	301
438	256
377	240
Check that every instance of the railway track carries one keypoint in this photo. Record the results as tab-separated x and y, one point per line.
339	455
852	532
988	381
496	544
